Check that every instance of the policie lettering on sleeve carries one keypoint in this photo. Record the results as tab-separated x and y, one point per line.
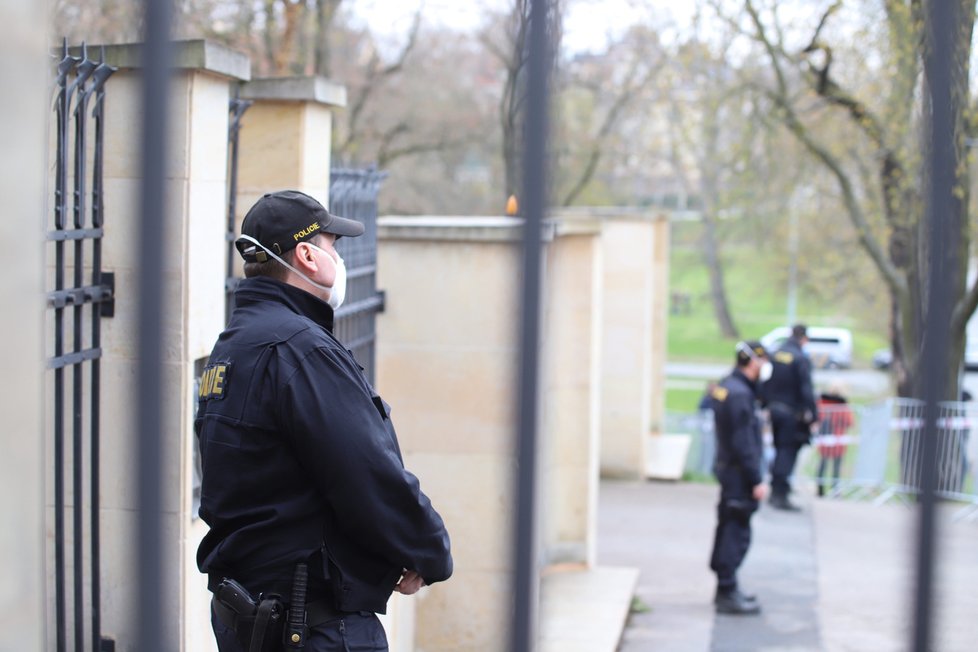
213	382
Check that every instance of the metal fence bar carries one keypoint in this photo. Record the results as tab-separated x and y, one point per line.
943	219
157	57
83	72
237	108
353	194
535	204
101	75
65	66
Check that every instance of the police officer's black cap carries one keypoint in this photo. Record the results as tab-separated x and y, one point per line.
744	350
281	220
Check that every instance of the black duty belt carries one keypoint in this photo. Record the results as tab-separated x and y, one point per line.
778	406
267	623
317	613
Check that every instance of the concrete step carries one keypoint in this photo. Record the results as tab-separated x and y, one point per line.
585	609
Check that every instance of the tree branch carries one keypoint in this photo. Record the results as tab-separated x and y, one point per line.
631	87
794	124
890	273
375	76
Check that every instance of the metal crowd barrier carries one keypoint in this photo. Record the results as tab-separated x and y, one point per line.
867	452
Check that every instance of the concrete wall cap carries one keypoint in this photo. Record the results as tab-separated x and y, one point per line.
462	227
197	54
577	224
296	89
624	213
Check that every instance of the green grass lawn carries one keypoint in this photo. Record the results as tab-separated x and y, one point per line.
758	305
681	399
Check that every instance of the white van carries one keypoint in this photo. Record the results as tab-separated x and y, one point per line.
828	347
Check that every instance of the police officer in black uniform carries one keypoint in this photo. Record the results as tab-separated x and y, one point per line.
738	469
791	401
314	520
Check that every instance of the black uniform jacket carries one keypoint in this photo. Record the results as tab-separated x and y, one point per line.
301	462
790	385
738	430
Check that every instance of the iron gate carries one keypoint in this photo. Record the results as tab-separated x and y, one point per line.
353	194
80	84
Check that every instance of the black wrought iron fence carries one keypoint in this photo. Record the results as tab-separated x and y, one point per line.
236	108
80	88
353	194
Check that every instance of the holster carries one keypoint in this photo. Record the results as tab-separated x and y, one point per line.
264	625
740	509
257	624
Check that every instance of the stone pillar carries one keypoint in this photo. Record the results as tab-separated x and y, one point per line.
25	69
447	362
193	276
571	384
285	139
634	247
660	319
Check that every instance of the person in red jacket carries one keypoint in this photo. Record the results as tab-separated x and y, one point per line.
836	419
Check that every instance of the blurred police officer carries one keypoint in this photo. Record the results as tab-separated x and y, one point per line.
791	402
738	469
314	520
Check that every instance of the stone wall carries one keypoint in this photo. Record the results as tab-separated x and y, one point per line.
447	362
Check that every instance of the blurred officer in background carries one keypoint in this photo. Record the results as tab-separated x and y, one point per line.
791	401
738	469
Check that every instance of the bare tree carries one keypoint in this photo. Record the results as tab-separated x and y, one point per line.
705	114
325	15
103	21
506	40
375	75
805	81
613	82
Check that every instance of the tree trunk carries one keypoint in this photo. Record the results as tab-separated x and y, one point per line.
710	191
325	13
718	291
268	35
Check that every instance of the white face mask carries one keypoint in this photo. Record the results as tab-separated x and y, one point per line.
766	370
337	293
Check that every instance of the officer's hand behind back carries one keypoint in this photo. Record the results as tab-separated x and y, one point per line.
759	492
410	583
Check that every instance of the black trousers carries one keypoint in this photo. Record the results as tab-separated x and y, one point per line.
789	436
733	533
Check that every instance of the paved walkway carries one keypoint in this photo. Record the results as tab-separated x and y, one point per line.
837	577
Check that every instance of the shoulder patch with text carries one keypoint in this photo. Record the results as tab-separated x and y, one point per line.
720	393
784	357
213	382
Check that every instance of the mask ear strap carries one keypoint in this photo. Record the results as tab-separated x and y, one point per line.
301	275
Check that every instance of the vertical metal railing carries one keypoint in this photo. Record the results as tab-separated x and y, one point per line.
101	74
157	64
78	80
237	108
535	186
65	66
353	194
942	227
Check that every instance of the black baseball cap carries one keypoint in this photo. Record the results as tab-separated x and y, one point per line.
281	220
750	349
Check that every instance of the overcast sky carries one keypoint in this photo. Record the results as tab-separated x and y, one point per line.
587	25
